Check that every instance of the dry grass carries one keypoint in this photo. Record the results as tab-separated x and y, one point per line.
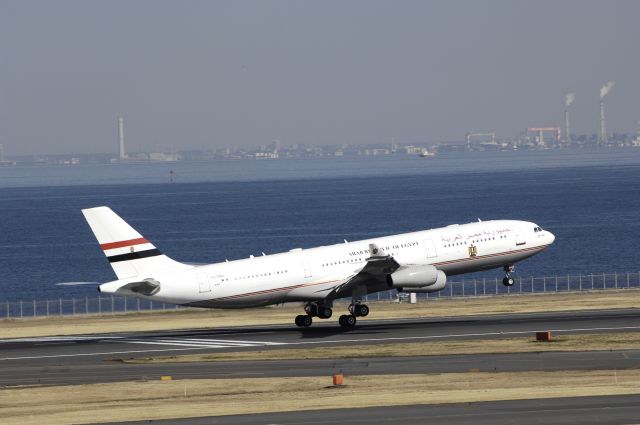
579	342
530	303
211	397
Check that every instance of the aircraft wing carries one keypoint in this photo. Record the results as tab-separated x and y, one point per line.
374	273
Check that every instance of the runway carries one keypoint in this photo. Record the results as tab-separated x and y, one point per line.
325	333
559	411
99	358
95	358
114	371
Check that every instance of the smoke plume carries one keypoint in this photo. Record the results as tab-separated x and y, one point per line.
568	99
604	90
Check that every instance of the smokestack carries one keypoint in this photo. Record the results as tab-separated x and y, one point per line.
123	155
602	138
568	100
604	90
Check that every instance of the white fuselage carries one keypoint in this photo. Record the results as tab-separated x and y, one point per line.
311	274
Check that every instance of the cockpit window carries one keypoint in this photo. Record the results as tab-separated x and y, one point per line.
537	229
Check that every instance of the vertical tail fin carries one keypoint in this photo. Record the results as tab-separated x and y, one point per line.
129	253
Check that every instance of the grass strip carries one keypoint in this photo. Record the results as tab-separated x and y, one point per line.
154	400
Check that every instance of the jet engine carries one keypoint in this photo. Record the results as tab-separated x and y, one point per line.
417	279
438	286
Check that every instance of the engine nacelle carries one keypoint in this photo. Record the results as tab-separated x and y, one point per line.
415	277
438	286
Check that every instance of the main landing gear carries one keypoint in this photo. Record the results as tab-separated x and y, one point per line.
508	280
321	311
348	321
324	311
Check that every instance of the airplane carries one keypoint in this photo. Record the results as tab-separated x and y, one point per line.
411	262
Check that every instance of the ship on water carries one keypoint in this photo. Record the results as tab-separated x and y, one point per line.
426	153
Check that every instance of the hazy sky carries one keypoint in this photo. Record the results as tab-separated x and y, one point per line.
204	74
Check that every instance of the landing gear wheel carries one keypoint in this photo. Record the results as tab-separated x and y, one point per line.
362	310
325	312
303	320
359	310
508	281
347	321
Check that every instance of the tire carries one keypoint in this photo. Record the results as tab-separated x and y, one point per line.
508	281
299	320
307	321
325	313
347	321
364	310
350	321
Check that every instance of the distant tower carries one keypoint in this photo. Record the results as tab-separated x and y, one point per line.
1	153
568	100
604	90
602	138
123	155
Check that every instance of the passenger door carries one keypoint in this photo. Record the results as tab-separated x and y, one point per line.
430	248
307	270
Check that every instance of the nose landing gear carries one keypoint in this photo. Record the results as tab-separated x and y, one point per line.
508	280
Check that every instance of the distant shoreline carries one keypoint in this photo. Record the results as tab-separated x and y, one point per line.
248	170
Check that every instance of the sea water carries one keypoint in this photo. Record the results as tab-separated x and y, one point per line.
591	204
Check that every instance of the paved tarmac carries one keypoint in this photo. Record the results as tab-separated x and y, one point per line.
98	358
89	348
557	411
113	371
95	358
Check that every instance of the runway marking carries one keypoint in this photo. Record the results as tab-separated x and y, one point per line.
175	344
69	338
200	342
214	344
108	353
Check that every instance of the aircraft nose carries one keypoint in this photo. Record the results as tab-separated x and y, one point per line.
551	237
